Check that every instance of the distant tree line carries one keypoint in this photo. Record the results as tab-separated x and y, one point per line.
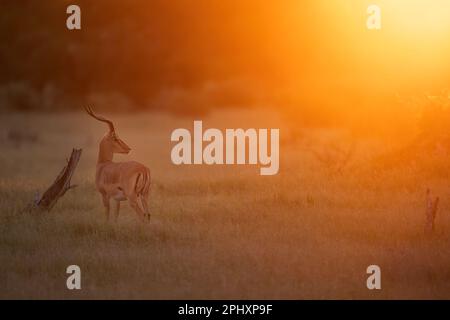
189	56
180	55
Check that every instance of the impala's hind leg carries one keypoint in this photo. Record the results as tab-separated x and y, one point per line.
144	195
135	205
145	206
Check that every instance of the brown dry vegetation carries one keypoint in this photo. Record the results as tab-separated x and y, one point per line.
221	232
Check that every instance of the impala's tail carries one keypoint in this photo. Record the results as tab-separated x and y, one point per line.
143	183
147	184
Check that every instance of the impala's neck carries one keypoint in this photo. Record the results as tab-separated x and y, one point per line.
105	152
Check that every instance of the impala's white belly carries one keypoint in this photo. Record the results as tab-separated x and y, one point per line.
119	196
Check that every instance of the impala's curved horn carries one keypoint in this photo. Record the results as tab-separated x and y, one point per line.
100	118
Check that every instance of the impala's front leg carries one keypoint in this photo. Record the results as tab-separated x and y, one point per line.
106	205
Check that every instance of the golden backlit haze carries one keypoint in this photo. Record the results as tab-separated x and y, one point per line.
363	118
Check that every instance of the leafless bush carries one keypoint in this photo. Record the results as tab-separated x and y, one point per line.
18	137
334	156
19	96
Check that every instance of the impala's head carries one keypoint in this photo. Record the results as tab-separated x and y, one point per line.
111	143
114	143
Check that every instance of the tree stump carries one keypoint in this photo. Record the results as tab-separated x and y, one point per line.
430	213
59	187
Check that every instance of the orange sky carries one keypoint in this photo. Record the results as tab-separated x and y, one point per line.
411	50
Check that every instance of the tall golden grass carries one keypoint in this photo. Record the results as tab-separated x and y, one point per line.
222	231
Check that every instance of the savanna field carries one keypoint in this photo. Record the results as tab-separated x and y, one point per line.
340	203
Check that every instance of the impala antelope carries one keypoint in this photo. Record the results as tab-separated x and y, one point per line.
120	181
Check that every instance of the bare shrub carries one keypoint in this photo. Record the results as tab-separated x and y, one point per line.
18	137
19	96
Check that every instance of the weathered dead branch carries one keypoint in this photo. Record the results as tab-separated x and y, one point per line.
59	187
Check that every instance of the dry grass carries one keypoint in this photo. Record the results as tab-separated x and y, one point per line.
219	232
